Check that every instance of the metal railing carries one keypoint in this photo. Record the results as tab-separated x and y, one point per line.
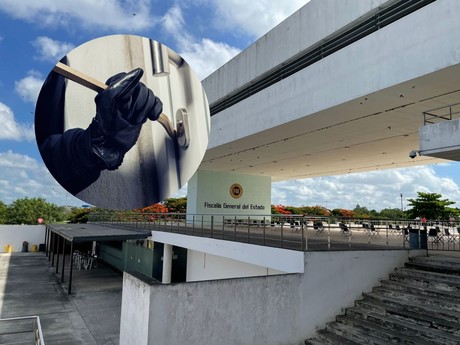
445	113
298	232
26	327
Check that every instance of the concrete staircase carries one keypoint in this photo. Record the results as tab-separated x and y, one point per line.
419	304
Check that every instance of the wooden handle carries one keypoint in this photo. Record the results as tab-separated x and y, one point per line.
78	77
95	85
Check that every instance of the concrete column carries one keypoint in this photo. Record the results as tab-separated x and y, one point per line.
167	263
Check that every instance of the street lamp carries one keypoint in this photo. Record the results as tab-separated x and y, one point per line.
402	209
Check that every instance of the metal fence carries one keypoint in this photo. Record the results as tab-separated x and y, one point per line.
298	232
20	327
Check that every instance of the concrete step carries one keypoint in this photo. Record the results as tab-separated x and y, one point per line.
416	317
418	304
314	341
443	303
433	280
426	310
420	290
355	334
325	336
441	264
402	326
385	335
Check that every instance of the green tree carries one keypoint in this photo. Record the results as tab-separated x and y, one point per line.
393	213
27	211
361	212
3	212
176	205
78	215
315	211
341	212
293	209
430	206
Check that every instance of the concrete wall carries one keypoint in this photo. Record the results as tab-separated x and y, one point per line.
287	261
204	266
16	234
378	61
312	23
270	310
441	140
135	309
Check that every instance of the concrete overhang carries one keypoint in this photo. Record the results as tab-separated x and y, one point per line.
441	140
359	109
288	261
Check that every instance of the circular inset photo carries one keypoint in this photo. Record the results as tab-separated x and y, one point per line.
122	122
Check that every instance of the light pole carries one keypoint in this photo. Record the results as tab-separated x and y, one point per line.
402	208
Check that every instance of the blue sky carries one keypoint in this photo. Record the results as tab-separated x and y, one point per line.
34	35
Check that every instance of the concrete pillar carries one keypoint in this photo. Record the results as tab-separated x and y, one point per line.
167	263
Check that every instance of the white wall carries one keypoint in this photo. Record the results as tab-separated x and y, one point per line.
288	261
270	310
441	140
209	193
317	19
203	266
16	234
135	291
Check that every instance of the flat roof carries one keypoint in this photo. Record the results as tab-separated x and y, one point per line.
97	232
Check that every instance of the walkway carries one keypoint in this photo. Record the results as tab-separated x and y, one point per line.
91	315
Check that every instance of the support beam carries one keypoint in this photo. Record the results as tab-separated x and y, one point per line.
167	263
46	240
53	241
69	291
63	259
57	257
50	238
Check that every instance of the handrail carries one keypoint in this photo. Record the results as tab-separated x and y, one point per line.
444	113
295	232
37	328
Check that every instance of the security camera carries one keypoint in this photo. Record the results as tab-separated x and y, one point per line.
413	154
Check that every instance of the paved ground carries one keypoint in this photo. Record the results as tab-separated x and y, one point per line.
91	315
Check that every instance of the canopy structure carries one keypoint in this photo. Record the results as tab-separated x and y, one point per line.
57	235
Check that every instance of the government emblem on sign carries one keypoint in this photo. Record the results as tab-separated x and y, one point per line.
236	191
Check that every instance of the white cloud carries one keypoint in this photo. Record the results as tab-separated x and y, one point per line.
255	19
173	21
51	50
130	15
207	56
203	55
29	87
23	176
12	130
374	190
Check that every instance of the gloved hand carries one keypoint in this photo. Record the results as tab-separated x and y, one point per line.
121	110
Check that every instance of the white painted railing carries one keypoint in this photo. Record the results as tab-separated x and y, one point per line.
35	327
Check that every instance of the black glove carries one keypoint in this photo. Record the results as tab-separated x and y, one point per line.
121	110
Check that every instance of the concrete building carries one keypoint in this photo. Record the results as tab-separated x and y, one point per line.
336	88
